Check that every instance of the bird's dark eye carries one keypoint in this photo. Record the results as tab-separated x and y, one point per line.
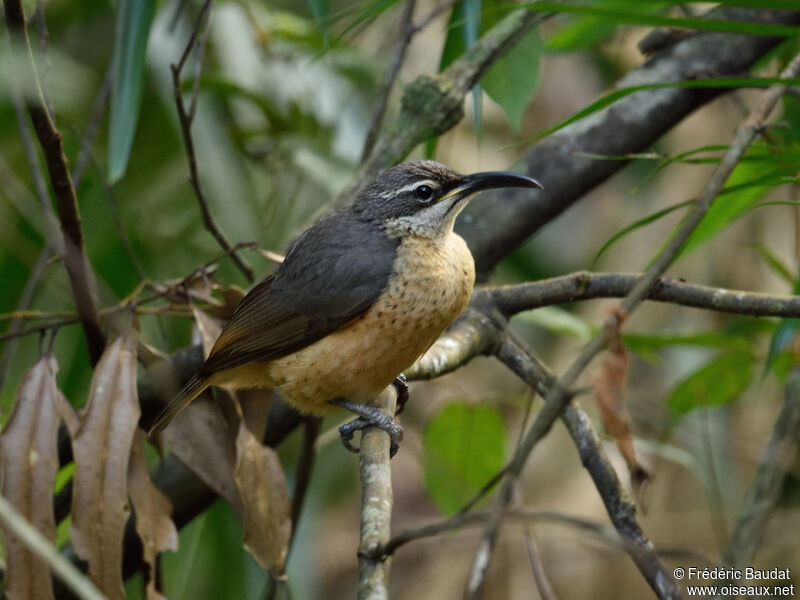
423	192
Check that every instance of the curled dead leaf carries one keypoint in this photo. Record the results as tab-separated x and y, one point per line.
29	465
152	510
609	385
266	508
102	448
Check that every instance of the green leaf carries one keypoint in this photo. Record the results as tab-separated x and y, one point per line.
650	343
773	260
621	13
513	80
464	446
636	225
613	96
321	11
718	382
580	33
745	187
463	30
784	336
132	30
557	320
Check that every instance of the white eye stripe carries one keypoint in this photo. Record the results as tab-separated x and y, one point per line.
412	186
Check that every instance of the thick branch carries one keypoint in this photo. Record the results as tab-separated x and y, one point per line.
501	220
74	257
583	285
432	104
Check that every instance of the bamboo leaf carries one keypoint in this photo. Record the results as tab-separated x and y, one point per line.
637	225
102	448
613	96
132	30
718	382
29	465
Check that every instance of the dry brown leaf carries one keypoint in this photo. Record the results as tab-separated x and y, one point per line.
266	508
201	439
255	405
209	329
231	296
609	384
152	510
29	465
102	449
200	436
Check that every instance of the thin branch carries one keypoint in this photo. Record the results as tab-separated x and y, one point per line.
619	506
537	568
19	527
583	285
75	261
376	504
559	395
24	302
96	116
304	469
407	32
776	460
185	118
166	290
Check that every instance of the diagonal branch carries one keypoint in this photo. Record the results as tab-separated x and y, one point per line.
765	490
74	255
559	395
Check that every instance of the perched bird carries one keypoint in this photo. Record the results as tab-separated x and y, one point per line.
360	296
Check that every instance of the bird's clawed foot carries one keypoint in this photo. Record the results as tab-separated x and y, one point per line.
368	416
400	383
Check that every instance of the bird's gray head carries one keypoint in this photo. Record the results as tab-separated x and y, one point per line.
424	197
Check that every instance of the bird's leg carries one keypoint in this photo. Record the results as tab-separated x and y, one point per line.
400	383
367	417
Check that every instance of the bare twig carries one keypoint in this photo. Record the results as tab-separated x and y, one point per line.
26	533
75	261
305	466
407	32
98	110
537	568
24	302
61	319
186	117
376	505
775	461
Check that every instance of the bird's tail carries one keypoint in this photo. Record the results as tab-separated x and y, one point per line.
193	388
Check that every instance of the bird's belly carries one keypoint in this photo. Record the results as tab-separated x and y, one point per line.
359	360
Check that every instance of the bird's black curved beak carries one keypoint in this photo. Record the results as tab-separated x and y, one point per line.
487	180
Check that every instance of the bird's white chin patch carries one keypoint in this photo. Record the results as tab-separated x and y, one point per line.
433	221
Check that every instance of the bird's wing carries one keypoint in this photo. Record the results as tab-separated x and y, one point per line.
333	274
